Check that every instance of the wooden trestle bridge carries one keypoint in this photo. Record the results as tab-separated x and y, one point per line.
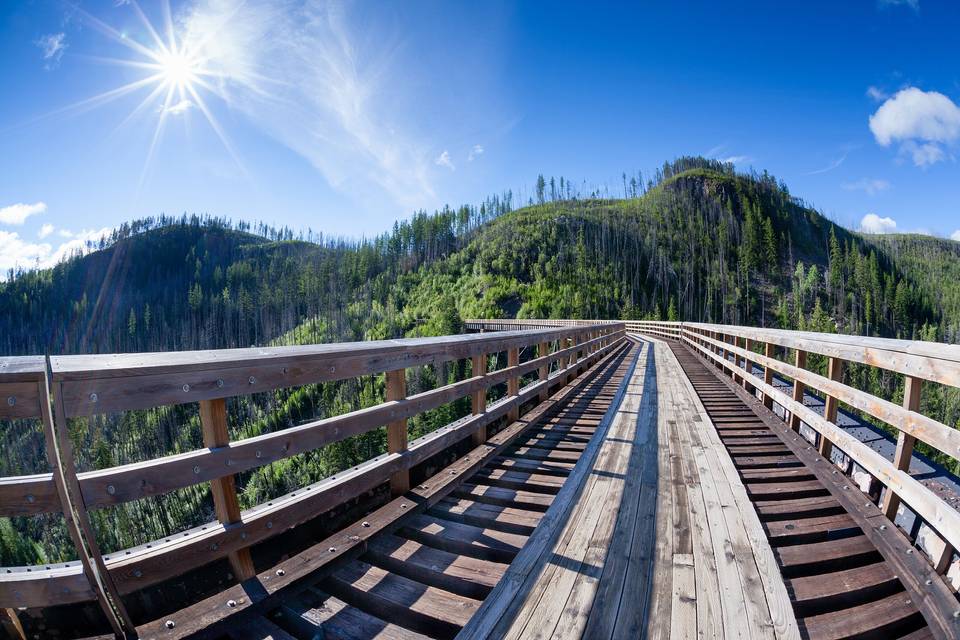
612	480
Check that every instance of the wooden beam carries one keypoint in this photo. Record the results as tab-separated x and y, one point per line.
513	383
574	341
397	433
834	372
768	375
544	372
60	454
905	442
478	403
800	360
10	623
931	507
747	365
213	423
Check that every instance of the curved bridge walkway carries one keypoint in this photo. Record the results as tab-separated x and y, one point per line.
617	515
644	493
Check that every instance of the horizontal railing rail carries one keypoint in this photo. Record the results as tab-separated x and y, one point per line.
740	351
81	386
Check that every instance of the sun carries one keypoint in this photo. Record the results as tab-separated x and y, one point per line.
177	75
179	69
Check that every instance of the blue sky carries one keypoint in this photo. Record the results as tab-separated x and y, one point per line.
342	118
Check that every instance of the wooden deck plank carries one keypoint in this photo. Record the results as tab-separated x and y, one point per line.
760	565
565	596
655	545
519	585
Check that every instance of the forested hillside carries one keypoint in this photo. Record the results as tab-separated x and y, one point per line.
934	265
696	242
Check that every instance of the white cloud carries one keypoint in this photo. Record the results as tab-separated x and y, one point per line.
715	151
443	160
737	159
877	94
922	122
955	235
830	167
475	153
18	213
45	230
913	4
871	186
923	154
181	107
52	46
872	223
17	253
301	73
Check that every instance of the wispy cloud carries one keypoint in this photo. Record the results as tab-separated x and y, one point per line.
877	94
18	213
872	223
294	68
871	186
475	152
52	46
923	123
835	163
715	151
45	230
181	107
955	235
737	159
912	4
443	160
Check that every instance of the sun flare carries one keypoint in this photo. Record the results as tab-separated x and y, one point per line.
179	69
178	74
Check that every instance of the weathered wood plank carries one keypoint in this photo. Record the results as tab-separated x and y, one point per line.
213	422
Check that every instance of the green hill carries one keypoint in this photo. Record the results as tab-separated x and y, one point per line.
700	243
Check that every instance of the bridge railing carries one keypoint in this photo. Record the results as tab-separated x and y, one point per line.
740	351
68	387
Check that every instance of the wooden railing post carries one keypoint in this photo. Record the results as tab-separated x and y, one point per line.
543	373
60	455
798	388
747	365
768	375
478	403
213	422
834	372
574	357
397	431
513	384
10	623
905	442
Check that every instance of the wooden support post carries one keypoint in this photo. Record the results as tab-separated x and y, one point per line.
768	375
213	423
60	455
798	388
513	384
574	357
543	373
397	430
478	402
747	365
905	442
942	562
834	372
10	623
